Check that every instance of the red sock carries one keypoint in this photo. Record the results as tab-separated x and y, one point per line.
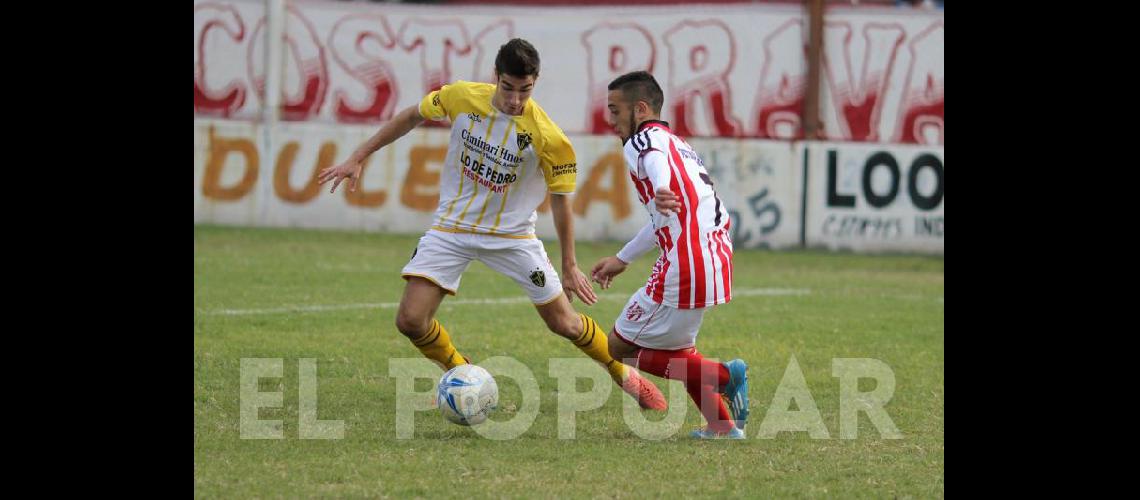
703	380
711	406
689	367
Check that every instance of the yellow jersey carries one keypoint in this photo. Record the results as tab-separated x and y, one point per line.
498	167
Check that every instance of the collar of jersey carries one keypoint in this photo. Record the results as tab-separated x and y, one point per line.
649	123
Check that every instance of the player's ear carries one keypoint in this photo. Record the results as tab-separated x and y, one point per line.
641	108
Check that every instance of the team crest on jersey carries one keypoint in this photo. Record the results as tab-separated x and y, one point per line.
634	312
435	99
538	277
524	140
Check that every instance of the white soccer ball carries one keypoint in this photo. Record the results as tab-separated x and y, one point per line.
466	394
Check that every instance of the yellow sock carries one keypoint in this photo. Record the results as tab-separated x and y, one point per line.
436	346
594	343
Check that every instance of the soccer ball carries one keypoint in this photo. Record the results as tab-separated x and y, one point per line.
466	394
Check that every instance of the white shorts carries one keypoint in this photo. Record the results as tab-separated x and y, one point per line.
647	324
441	257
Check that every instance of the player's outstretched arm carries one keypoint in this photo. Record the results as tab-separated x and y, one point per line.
399	125
607	268
574	282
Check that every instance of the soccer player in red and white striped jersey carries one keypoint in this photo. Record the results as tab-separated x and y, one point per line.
690	227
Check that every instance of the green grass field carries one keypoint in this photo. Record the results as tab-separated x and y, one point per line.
293	294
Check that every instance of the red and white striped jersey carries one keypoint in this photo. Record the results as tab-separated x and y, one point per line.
695	266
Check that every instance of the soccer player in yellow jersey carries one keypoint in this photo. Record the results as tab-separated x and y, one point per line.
505	154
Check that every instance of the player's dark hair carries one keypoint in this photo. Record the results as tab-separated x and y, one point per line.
640	86
517	58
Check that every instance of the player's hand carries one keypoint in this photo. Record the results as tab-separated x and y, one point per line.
575	283
605	270
350	170
666	201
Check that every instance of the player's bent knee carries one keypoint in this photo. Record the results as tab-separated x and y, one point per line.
615	352
565	325
572	328
620	350
411	325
